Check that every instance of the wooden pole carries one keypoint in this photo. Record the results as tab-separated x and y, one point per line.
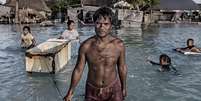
17	12
82	1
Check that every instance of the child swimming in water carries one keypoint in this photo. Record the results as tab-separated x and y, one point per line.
164	63
190	47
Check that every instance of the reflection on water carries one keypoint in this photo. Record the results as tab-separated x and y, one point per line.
144	83
131	36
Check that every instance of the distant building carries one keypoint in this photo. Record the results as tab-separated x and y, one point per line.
4	11
176	5
5	14
176	10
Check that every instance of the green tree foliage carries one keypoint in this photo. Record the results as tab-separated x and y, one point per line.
61	5
152	2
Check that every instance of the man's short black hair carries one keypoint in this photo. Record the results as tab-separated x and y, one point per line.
104	12
70	22
28	28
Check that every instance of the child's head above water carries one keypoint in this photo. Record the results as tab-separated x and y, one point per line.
26	29
164	60
190	42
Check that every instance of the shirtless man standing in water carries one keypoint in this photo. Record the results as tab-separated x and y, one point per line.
105	56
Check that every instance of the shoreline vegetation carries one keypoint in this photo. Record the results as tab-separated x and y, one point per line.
58	11
26	13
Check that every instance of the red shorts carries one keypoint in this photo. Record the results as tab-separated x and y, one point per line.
112	92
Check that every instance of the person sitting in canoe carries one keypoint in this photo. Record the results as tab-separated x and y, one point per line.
190	47
27	39
164	63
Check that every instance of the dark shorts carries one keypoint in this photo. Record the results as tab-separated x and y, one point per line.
112	92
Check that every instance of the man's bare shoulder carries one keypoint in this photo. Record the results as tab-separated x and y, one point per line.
118	42
87	43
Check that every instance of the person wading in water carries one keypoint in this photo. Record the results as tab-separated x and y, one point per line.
105	56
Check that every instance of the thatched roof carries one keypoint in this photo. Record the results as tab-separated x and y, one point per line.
32	4
178	5
98	2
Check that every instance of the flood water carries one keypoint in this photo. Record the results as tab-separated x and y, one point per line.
144	82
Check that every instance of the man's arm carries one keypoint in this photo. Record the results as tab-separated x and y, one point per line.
77	72
122	69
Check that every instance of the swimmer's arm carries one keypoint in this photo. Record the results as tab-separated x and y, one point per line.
122	69
153	63
78	70
195	49
181	49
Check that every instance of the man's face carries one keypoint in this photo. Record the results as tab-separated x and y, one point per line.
103	26
190	43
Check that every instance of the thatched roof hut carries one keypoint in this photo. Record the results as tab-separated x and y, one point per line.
39	5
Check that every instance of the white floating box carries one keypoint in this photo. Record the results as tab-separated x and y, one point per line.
48	57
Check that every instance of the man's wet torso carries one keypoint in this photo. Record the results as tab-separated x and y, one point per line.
102	60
